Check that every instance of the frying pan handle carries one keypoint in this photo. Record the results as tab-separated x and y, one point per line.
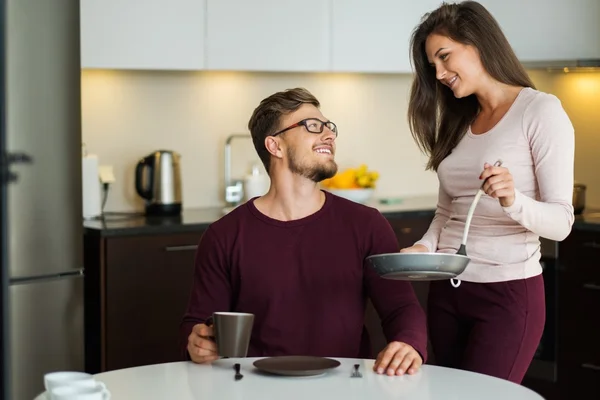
470	217
472	211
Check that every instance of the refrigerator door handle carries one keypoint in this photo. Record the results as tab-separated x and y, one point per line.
39	278
6	159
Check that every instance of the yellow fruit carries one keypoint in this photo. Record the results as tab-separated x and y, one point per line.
361	171
346	179
364	181
352	178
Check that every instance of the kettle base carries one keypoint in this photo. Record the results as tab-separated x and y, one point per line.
163	209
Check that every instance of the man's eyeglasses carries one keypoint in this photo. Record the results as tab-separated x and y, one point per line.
313	125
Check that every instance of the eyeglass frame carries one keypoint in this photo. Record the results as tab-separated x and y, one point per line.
304	124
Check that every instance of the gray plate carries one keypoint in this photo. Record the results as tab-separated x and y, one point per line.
296	365
419	266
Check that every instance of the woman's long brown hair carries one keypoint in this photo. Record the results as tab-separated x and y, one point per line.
437	119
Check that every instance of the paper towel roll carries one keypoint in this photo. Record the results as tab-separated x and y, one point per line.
92	198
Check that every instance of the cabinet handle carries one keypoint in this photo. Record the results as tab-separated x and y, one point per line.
591	366
593	245
591	286
182	248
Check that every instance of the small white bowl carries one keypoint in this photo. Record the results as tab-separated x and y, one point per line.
356	195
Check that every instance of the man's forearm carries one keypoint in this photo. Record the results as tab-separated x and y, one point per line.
409	326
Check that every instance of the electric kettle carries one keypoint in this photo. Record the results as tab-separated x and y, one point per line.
158	182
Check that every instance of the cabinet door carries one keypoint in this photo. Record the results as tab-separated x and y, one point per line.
409	229
142	34
148	283
374	36
268	35
549	29
579	325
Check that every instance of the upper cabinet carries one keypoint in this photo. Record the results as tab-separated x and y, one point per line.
268	35
374	36
310	35
543	30
142	34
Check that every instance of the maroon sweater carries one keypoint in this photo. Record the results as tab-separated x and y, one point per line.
306	281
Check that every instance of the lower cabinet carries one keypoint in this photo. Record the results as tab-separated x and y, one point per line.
578	357
409	229
137	289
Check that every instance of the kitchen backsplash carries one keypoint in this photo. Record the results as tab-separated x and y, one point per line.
580	96
129	114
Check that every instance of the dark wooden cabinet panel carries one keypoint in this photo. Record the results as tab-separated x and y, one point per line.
579	380
142	287
148	282
409	230
579	313
578	356
579	256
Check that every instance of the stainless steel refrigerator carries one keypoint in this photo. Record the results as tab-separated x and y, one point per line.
41	235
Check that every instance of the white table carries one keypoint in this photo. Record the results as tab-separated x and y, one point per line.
187	381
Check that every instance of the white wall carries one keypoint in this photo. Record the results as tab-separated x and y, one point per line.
127	115
579	93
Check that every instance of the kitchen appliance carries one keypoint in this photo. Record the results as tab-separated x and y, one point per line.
158	182
41	235
579	198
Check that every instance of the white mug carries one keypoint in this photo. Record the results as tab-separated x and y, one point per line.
78	392
66	378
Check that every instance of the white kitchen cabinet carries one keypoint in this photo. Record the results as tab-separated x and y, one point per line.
374	35
268	35
142	34
365	36
541	30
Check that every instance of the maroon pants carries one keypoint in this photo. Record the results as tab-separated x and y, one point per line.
490	328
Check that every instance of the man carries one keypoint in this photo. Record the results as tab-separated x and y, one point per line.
295	257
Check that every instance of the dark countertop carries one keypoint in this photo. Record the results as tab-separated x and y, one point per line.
193	220
196	220
588	221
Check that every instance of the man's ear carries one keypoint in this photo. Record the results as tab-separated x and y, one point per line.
273	146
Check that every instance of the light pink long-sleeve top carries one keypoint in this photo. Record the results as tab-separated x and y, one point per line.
535	141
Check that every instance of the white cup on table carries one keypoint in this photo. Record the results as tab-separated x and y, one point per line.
74	385
75	392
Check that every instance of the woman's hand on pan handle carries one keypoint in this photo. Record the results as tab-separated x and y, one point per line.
417	248
498	184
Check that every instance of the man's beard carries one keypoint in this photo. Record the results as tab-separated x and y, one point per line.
316	172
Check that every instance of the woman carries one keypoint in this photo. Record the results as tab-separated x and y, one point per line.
472	104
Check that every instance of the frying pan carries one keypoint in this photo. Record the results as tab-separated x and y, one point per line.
427	266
